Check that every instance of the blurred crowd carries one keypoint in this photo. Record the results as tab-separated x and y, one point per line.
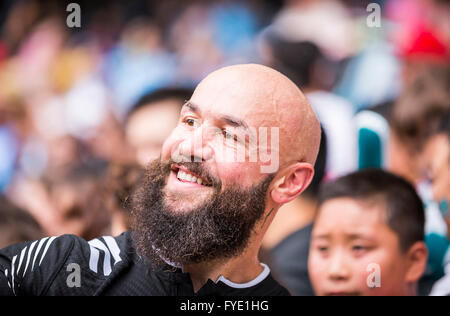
83	110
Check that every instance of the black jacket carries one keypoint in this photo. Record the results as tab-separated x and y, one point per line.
69	265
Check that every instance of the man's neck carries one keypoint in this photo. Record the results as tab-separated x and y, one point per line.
290	218
241	269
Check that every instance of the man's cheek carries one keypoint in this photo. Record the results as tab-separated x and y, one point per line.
170	147
166	149
235	173
229	173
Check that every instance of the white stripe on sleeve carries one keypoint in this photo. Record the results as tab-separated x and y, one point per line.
113	247
93	259
107	260
22	254
29	256
46	248
41	242
12	273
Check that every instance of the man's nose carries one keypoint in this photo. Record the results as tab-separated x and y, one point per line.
338	269
196	147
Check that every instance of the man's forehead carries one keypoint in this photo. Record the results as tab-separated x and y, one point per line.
246	103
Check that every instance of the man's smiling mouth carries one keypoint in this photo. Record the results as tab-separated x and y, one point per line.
184	175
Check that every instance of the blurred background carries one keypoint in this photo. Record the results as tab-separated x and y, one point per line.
83	109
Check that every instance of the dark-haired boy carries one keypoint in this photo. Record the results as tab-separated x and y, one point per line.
368	236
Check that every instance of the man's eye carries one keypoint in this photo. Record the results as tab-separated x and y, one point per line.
322	248
190	122
229	135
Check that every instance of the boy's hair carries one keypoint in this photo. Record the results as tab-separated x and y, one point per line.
404	209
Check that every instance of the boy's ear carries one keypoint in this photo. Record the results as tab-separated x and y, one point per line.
416	261
292	182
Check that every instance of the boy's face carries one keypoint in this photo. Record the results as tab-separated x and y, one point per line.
351	247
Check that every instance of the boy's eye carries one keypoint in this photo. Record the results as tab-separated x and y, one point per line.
359	249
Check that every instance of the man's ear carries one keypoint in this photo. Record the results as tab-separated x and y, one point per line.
416	262
292	182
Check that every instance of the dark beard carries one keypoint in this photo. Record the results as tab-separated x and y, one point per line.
217	229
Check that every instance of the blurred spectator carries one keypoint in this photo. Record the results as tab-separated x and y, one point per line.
416	113
437	158
14	128
68	200
366	218
116	148
286	242
16	225
138	55
326	23
76	197
119	183
422	33
207	35
371	77
303	63
8	153
415	116
151	120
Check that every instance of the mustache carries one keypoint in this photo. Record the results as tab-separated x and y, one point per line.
200	169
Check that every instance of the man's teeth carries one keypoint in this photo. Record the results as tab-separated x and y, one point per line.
188	177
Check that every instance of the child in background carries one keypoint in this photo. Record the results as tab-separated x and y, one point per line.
437	161
368	236
416	117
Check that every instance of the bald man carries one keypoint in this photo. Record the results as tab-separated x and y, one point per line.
245	144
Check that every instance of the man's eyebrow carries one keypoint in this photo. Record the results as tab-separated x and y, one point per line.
192	106
230	120
233	121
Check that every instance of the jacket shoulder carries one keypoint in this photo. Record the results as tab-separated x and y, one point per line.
61	265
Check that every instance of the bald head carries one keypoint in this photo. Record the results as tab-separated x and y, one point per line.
262	96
